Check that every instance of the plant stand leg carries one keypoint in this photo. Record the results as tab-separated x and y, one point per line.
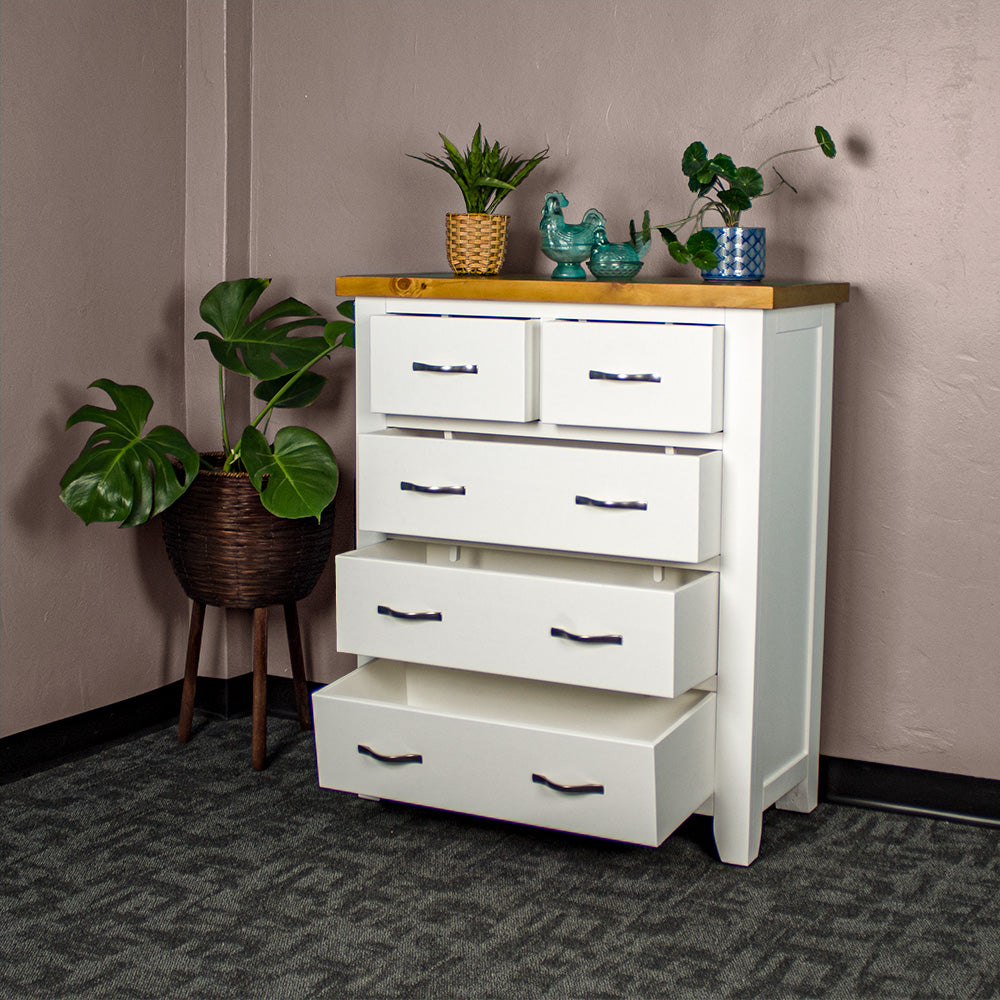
259	751
191	671
298	665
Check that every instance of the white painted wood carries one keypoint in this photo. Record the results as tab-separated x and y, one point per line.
749	502
496	610
481	739
525	494
668	377
466	367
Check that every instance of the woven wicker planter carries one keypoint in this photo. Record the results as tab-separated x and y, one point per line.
476	243
228	551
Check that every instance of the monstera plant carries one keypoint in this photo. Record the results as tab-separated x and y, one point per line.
129	474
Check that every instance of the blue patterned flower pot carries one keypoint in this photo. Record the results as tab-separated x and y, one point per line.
740	252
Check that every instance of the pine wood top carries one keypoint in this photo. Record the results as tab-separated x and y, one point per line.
649	292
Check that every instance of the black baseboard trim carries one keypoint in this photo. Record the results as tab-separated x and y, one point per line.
955	797
45	746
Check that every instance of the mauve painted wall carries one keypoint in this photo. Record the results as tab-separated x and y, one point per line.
93	107
92	177
342	90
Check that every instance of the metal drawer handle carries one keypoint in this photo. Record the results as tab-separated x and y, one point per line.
413	616
616	504
401	758
561	633
415	488
622	377
540	779
419	366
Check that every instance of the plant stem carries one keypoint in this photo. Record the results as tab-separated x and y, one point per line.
801	149
222	413
281	392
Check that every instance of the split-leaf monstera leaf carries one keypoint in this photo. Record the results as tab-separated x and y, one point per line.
122	475
125	474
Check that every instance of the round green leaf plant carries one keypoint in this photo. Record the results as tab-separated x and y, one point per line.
720	186
128	474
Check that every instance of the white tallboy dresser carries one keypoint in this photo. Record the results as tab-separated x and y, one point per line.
588	589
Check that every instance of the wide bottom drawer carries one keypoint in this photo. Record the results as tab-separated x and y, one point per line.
625	767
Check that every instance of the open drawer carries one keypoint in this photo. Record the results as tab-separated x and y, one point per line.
620	766
618	626
636	502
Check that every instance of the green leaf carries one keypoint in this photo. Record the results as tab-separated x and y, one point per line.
702	241
825	142
705	261
701	250
305	391
338	333
679	252
121	475
302	474
735	199
485	174
346	309
251	347
694	159
722	165
749	180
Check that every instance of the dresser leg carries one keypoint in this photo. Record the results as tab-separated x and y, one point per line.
737	837
259	747
804	797
298	665
191	671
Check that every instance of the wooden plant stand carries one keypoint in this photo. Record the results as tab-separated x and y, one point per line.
260	615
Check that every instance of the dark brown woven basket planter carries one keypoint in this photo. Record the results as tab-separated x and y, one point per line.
229	551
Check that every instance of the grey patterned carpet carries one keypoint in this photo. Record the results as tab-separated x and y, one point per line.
156	871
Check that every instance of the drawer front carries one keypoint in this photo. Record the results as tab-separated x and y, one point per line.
598	625
443	366
619	502
661	377
461	753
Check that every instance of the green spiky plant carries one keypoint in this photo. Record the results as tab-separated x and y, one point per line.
129	475
720	186
485	174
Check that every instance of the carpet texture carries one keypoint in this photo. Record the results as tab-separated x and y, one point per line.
154	871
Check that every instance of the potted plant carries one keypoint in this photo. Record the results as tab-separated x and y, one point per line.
248	526
476	240
729	252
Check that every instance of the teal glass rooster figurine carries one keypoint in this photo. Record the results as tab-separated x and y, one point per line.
567	244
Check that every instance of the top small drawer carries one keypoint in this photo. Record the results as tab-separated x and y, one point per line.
641	376
453	366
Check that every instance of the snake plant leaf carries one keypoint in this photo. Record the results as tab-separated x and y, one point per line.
302	474
826	143
252	347
122	475
475	152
